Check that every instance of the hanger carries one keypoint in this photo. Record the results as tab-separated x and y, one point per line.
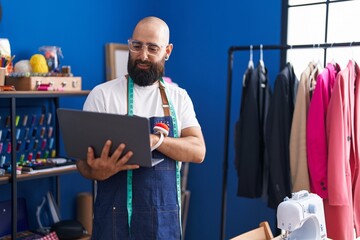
332	60
352	53
250	64
316	70
352	58
262	65
290	48
261	61
318	62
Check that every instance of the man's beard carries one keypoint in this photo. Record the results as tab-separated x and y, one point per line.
145	77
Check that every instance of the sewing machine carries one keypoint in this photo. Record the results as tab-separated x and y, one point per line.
302	217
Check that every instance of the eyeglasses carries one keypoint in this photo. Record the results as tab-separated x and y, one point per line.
136	47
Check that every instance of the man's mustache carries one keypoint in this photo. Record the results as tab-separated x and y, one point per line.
142	62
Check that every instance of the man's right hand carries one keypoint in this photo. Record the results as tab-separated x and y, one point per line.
105	166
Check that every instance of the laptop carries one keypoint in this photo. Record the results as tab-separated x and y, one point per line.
81	129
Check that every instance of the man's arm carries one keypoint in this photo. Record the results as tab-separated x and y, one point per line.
105	166
190	147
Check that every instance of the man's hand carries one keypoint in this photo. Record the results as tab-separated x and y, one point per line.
190	147
105	166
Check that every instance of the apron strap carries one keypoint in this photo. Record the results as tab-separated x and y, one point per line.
165	102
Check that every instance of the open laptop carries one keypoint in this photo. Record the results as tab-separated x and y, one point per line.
81	129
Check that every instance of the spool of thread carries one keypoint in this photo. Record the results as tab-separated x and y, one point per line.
84	210
38	63
66	69
23	66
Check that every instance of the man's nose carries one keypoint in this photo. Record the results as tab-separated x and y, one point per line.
144	55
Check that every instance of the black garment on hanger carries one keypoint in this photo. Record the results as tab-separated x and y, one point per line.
278	129
249	133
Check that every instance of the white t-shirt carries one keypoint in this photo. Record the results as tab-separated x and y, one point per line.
111	97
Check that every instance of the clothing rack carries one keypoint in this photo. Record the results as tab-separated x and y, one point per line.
231	51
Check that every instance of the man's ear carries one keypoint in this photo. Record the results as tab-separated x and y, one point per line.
168	50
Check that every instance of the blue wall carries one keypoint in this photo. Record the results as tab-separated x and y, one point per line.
202	32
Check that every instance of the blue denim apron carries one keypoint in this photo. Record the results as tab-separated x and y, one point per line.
155	208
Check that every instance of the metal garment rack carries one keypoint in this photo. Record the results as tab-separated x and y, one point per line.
231	51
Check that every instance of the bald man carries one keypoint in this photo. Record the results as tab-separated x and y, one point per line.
135	202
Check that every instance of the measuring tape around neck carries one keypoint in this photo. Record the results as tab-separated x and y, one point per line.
130	108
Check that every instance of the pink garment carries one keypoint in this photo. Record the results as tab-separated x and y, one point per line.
342	154
355	168
316	142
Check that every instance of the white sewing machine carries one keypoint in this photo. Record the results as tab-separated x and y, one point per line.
302	217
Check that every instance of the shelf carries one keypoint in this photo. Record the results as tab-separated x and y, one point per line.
4	179
13	178
42	94
50	172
